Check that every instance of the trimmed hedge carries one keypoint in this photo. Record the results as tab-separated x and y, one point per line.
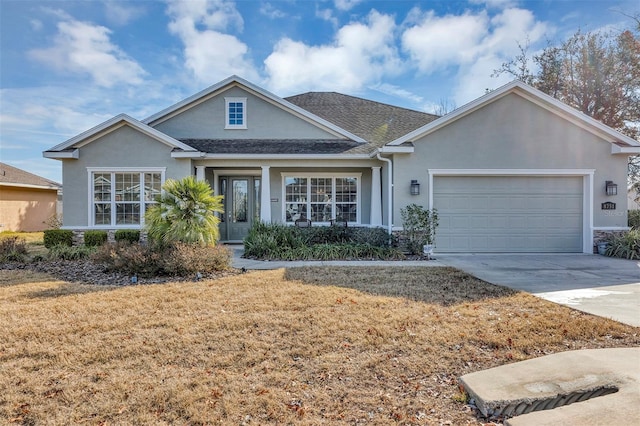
55	237
95	238
127	235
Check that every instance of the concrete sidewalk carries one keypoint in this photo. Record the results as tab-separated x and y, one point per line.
585	387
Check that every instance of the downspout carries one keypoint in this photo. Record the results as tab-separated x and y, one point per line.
389	188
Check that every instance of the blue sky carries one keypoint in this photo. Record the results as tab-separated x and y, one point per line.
66	66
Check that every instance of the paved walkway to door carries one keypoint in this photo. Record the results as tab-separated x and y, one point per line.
599	285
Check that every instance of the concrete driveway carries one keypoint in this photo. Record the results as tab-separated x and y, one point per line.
599	285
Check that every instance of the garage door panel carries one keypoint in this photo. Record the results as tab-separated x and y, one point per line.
509	214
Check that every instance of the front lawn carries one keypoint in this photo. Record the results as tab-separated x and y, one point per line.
305	346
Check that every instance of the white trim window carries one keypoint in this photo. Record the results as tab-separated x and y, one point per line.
321	198
235	113
120	197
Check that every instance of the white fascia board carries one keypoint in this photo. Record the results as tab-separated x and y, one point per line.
263	94
286	157
628	150
534	95
403	149
62	155
115	123
188	154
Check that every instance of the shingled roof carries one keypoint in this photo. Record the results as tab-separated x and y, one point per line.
278	146
13	176
373	121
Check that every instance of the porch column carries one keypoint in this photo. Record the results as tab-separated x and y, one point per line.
265	196
200	172
376	197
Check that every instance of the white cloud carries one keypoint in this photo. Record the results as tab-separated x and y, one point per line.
327	15
210	53
346	5
120	13
270	11
438	42
360	54
397	91
471	45
36	24
84	48
495	4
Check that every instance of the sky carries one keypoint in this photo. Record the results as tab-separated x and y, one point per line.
66	66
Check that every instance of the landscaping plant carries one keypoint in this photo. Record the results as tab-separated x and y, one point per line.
127	235
625	245
419	227
95	238
54	237
13	249
185	212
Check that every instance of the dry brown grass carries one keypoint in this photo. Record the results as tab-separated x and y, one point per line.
366	345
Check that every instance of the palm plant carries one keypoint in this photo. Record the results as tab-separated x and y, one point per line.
185	212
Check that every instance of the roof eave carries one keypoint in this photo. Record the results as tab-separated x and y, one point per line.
286	156
625	150
30	186
399	149
62	155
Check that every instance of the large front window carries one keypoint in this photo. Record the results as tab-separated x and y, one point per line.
322	198
120	198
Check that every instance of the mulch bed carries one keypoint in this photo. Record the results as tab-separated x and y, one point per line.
89	272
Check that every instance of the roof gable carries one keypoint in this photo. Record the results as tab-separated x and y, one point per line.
235	81
68	149
13	176
620	143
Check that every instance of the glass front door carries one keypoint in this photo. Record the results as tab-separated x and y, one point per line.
241	206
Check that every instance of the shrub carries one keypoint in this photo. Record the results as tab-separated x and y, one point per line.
419	227
377	237
634	219
13	249
127	235
54	237
185	212
95	238
65	252
176	259
625	245
129	259
189	258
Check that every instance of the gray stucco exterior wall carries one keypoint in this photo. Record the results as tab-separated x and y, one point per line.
513	133
264	121
122	148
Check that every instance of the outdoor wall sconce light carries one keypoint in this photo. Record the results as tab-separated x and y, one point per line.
611	188
415	187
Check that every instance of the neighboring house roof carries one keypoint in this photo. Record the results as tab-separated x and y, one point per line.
278	146
620	144
69	148
374	122
267	96
13	176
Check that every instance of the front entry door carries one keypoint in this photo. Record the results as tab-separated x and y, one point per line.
241	206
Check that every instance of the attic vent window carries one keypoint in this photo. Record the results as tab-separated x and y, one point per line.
235	113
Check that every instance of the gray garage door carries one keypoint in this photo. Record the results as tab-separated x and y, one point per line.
508	214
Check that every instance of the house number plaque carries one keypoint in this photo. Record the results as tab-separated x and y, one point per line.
608	206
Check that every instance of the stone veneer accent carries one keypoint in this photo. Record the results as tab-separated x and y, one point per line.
78	236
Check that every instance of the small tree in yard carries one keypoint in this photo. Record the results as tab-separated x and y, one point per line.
185	212
419	227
